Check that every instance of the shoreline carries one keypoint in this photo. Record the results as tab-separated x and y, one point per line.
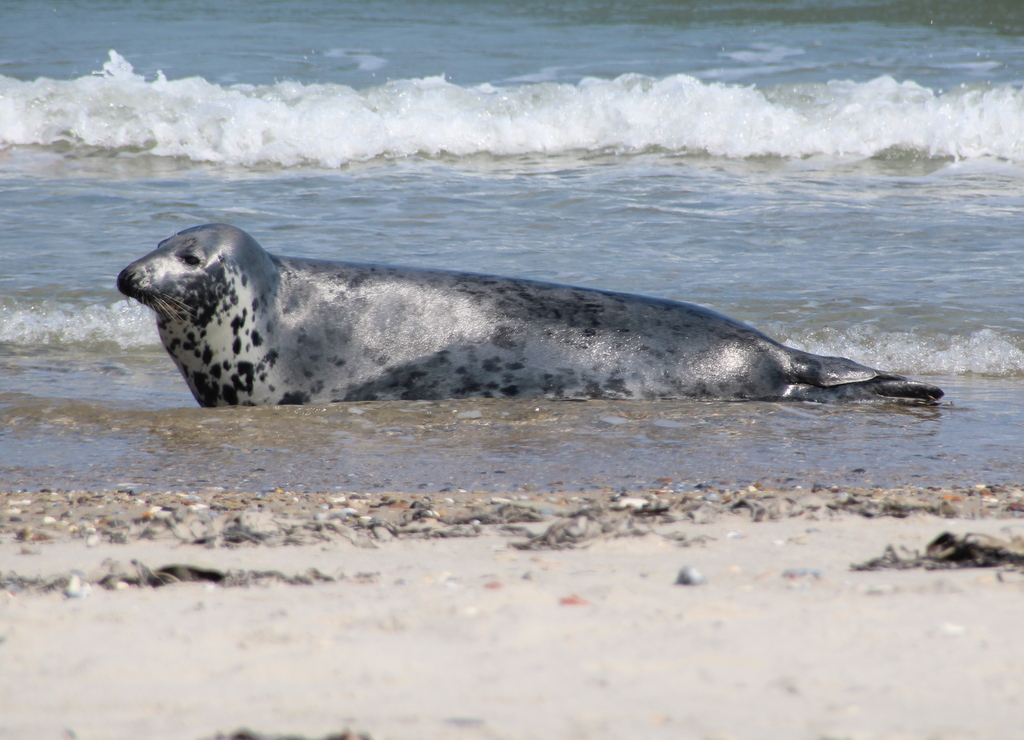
122	515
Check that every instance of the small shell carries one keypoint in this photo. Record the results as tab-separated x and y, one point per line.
690	576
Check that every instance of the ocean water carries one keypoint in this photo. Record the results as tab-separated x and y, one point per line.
847	177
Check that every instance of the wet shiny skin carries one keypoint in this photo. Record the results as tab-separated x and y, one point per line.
247	327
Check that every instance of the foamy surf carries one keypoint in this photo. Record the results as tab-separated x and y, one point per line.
330	125
982	352
49	323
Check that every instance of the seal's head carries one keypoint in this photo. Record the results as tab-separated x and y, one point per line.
189	277
209	286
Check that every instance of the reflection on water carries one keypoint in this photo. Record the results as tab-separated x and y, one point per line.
502	445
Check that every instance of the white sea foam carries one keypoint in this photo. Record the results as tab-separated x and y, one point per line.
126	324
330	125
983	352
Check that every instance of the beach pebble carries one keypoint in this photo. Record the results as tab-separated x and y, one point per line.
92	540
690	576
76	588
346	512
629	503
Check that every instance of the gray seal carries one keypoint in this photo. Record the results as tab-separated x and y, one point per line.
246	327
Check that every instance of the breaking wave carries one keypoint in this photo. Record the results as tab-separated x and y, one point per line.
330	125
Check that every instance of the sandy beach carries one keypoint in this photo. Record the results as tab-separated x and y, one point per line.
466	615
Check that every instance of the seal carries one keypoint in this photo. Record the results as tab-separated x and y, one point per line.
246	327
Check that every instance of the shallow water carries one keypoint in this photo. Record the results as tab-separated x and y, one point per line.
501	445
848	180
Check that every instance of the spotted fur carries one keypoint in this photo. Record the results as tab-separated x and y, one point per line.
248	328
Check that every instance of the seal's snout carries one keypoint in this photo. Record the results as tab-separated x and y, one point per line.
127	282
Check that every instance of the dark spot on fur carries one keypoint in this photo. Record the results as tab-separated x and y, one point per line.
468	387
617	385
207	356
237	346
510	390
257	340
514	366
492	365
294	398
230	394
207	391
243	379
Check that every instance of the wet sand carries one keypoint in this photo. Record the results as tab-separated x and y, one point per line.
472	615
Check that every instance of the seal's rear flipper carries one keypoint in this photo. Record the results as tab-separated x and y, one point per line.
895	386
881	388
838	380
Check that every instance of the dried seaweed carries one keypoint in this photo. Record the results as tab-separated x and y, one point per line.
953	551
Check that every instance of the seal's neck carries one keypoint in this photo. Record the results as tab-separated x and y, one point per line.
223	354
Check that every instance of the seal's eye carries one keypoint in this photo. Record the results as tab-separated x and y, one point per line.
190	259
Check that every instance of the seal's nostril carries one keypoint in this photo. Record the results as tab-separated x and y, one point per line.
127	282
